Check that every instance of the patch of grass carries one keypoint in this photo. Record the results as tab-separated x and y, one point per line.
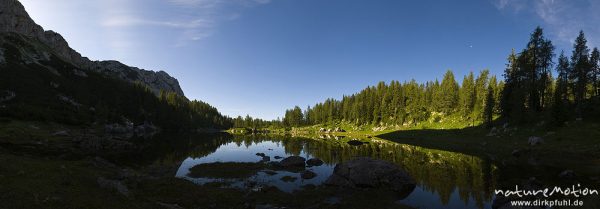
226	170
576	145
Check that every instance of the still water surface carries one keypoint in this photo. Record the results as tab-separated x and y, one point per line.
444	179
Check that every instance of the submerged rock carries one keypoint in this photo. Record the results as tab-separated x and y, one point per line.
269	172
371	173
288	179
314	162
308	174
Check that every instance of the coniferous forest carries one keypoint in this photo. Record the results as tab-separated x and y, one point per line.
535	87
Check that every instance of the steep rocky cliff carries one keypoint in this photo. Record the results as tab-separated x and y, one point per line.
14	19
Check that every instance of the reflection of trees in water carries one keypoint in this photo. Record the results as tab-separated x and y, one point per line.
172	148
436	171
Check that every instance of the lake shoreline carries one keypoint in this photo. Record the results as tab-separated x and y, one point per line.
570	146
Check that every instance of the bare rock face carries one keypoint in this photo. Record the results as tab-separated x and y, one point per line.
14	19
371	173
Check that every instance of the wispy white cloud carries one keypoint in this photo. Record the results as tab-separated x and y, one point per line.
563	19
196	3
125	21
189	20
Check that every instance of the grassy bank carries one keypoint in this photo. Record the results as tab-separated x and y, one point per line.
575	145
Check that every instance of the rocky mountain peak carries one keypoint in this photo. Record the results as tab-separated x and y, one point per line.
15	19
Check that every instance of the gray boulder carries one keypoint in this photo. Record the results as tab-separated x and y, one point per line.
371	173
535	140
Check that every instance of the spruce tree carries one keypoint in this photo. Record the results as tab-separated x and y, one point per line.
562	81
580	70
488	111
450	89
467	95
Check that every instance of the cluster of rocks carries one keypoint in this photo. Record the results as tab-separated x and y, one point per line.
127	128
327	136
14	19
68	100
381	128
297	163
265	158
102	144
504	130
336	129
371	173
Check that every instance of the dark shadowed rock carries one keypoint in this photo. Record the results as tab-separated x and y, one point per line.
277	157
265	159
113	185
288	179
535	140
269	172
567	174
314	162
371	173
293	161
308	174
516	153
61	133
260	154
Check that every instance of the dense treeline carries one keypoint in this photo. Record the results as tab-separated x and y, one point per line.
249	122
407	103
528	93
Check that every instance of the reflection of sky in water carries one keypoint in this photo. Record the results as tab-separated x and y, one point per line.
231	152
240	152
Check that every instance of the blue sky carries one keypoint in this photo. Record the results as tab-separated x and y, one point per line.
260	57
